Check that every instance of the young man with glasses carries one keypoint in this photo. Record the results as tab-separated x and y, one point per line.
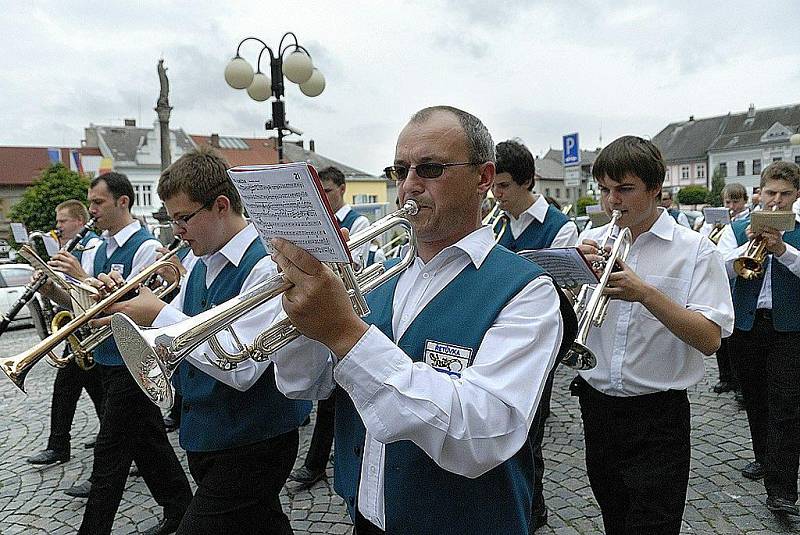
240	433
71	217
531	223
436	389
131	428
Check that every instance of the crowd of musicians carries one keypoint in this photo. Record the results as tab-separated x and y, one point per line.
436	399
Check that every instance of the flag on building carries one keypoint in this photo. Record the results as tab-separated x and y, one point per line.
76	158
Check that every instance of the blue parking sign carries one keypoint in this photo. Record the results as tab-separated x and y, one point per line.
572	153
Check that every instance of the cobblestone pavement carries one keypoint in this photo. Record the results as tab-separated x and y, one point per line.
32	501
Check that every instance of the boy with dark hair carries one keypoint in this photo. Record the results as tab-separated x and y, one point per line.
669	306
764	342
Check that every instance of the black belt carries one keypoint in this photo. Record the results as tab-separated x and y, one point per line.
764	313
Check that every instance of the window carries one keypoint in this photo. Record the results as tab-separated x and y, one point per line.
723	169
558	193
757	167
701	170
777	159
740	168
797	160
567	192
364	199
15	277
143	195
547	192
684	172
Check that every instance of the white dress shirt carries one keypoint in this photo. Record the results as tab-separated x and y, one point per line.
731	251
247	327
143	257
636	353
360	223
467	425
567	235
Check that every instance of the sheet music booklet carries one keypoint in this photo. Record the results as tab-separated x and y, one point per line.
19	232
287	201
717	215
567	265
783	221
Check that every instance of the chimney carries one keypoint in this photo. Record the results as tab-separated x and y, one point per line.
311	145
214	141
691	118
130	122
751	111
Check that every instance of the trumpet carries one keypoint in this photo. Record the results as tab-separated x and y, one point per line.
491	219
750	265
153	354
592	310
716	232
18	366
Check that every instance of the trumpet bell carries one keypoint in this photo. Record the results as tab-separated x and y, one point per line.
140	353
748	267
579	357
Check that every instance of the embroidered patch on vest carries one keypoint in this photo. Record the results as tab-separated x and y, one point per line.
119	268
447	358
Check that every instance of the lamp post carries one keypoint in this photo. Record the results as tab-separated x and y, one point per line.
296	66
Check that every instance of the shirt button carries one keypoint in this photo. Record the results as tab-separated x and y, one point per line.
426	275
372	470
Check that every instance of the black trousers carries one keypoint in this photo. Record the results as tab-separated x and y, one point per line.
69	382
769	371
536	435
727	368
131	429
637	458
322	439
237	489
362	526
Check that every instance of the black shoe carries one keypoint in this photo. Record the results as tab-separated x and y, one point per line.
722	387
539	521
754	470
166	526
782	505
171	424
89	445
80	490
49	457
306	478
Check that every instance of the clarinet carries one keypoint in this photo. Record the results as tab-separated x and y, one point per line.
35	285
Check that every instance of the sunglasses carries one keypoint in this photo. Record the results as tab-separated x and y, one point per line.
424	170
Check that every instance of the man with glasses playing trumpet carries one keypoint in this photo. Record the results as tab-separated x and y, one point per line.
71	217
437	388
131	428
670	305
240	433
532	223
764	342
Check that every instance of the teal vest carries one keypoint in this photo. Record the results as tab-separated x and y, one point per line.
349	219
785	288
420	497
215	416
107	353
77	252
674	213
537	235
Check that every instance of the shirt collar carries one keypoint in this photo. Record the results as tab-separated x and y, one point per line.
124	234
539	208
342	212
234	250
477	245
744	214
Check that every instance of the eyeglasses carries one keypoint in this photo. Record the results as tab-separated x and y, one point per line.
427	170
182	222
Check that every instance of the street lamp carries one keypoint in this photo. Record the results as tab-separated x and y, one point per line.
296	66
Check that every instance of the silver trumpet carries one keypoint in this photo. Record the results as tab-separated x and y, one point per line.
591	309
153	354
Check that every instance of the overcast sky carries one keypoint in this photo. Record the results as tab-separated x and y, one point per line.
529	69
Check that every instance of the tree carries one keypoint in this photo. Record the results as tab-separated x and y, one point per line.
55	185
693	195
583	202
717	183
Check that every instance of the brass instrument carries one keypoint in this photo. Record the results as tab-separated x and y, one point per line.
491	219
153	354
566	209
750	265
719	228
592	310
18	366
83	359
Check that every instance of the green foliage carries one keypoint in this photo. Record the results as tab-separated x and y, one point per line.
37	208
714	197
583	202
693	195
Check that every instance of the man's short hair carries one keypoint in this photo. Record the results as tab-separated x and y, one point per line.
631	155
75	208
735	192
786	171
515	159
117	184
332	174
202	175
479	141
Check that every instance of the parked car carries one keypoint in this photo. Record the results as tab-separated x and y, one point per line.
13	278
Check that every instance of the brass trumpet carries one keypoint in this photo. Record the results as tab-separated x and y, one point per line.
18	366
495	215
153	354
592	310
750	265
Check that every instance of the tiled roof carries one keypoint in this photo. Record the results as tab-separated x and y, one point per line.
124	141
295	153
556	155
241	150
23	165
549	168
689	140
743	131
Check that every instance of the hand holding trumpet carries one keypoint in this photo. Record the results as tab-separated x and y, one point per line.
142	309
